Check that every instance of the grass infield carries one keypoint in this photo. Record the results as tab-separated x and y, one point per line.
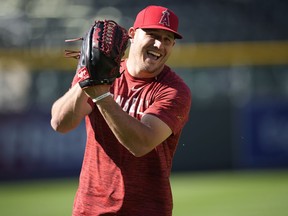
245	193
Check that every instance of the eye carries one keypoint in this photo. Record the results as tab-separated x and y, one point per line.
151	34
168	40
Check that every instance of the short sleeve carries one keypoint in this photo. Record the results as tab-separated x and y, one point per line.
172	105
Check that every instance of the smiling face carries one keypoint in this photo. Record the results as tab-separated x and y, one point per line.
149	51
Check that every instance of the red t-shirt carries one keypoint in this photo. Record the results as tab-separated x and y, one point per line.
112	180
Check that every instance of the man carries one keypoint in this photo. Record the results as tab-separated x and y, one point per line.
133	127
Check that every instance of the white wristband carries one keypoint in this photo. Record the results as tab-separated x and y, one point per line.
95	100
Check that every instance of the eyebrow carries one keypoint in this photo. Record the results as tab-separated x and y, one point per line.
170	35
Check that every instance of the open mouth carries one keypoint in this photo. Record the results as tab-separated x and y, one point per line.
154	55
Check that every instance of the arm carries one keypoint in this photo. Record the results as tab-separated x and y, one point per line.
139	137
69	110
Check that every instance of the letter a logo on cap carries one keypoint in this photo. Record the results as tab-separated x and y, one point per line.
165	18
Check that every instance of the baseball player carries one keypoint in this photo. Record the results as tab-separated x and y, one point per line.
133	121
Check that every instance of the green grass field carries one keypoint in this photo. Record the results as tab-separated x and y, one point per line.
195	194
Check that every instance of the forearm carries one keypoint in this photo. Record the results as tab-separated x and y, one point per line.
137	136
68	111
128	130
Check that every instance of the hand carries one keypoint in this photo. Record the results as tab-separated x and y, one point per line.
102	50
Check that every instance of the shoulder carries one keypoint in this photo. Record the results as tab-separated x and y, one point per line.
171	79
170	75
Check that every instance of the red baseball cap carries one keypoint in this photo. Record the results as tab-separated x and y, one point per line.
157	17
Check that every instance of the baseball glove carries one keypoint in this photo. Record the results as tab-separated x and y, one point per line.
101	53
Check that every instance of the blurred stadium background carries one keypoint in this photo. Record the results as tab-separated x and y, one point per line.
234	57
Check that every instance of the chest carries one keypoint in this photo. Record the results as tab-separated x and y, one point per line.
136	96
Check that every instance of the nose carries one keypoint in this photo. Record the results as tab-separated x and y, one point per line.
158	43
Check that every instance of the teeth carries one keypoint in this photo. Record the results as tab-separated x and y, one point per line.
154	53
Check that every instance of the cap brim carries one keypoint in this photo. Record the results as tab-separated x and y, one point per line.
177	35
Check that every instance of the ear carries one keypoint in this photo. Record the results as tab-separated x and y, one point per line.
131	32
